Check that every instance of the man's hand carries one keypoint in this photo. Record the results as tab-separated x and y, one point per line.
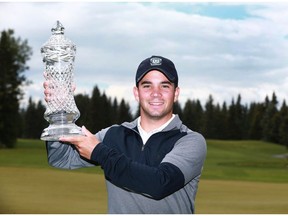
47	91
84	144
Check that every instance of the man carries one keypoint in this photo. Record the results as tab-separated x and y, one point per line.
151	165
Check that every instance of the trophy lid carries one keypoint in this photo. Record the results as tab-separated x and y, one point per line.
58	45
58	38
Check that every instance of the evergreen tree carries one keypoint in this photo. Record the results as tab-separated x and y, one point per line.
220	123
236	119
283	127
41	122
14	53
199	116
192	115
109	116
82	101
255	114
137	112
29	119
209	127
270	120
34	120
114	112
177	109
22	113
244	122
222	119
124	112
188	117
95	111
283	135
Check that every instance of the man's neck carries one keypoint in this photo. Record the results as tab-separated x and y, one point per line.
150	124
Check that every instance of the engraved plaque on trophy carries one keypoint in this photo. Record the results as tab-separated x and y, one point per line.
58	56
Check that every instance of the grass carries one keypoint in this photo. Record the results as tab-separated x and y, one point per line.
245	160
40	191
31	153
238	177
241	197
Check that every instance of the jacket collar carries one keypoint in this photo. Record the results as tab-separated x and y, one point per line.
174	124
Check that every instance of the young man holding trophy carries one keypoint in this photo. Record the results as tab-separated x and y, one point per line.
152	164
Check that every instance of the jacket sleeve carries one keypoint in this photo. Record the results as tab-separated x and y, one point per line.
155	182
65	156
189	155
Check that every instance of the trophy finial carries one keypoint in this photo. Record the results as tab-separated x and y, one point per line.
58	29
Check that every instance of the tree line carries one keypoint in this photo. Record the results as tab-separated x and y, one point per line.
260	121
256	121
96	112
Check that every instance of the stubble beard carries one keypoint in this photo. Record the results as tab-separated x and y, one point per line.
155	115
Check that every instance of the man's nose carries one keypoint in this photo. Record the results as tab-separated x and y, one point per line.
156	92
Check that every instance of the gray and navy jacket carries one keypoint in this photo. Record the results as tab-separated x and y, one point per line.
159	177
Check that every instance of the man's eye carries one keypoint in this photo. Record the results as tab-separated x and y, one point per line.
165	86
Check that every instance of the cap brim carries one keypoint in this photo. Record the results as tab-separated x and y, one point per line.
171	79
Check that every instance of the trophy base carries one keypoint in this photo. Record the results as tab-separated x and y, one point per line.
54	132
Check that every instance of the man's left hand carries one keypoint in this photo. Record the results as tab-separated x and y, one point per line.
84	144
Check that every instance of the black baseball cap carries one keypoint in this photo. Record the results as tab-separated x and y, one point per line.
159	63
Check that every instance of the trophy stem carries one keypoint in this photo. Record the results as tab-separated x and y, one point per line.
61	124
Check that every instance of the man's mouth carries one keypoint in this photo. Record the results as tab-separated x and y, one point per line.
156	103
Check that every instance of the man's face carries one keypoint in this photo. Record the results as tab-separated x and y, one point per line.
156	95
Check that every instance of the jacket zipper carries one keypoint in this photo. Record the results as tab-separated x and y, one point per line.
143	146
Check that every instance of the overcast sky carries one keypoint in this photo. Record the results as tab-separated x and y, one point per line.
218	49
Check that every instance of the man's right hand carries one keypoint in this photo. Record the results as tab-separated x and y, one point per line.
47	91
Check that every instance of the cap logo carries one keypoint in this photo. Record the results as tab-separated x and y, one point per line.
155	61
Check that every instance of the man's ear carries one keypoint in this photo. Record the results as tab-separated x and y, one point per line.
136	93
177	92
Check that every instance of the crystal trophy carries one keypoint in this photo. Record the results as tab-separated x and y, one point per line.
61	112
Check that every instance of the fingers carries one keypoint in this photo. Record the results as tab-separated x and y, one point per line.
47	92
71	139
86	132
47	87
46	84
84	144
88	138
